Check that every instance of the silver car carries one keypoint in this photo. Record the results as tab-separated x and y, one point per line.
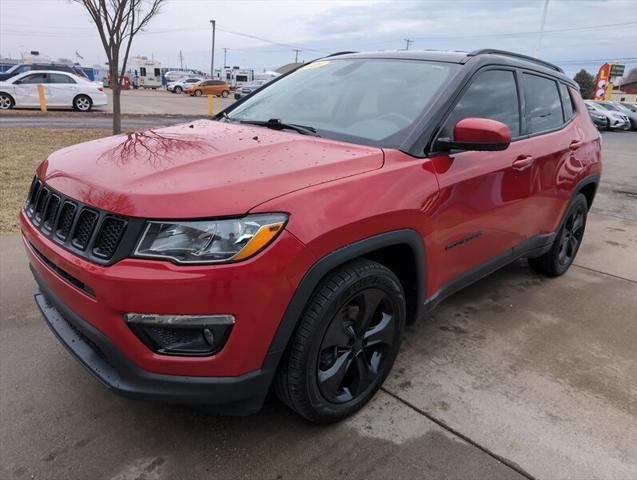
615	120
180	85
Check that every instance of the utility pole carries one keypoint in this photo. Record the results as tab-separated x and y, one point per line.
296	54
212	53
225	54
181	60
543	21
408	41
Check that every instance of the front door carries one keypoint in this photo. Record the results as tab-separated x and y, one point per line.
485	197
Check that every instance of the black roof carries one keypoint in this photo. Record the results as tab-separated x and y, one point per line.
482	57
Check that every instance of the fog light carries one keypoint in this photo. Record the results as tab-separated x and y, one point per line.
194	335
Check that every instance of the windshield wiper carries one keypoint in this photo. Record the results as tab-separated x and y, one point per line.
276	124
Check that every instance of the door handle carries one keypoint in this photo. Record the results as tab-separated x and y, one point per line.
575	144
522	162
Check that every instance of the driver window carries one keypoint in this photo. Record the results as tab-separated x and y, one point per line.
493	95
33	79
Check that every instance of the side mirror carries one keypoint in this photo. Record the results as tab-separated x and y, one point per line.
479	134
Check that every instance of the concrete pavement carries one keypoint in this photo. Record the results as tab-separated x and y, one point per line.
518	376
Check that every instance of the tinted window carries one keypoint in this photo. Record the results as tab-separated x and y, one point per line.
142	71
192	80
373	101
35	78
217	82
157	72
543	106
567	102
491	95
60	78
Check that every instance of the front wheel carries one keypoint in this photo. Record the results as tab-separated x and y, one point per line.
559	258
177	90
82	103
198	93
345	344
6	102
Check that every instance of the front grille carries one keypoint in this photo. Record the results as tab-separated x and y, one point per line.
109	237
84	228
65	221
88	232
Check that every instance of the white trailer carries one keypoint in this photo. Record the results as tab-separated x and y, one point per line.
144	72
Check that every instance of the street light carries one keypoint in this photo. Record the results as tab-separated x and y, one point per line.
212	55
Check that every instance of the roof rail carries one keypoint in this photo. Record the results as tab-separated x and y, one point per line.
493	51
338	53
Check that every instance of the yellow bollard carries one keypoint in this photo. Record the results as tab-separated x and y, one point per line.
42	97
210	105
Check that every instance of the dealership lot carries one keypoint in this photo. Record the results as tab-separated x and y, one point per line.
517	376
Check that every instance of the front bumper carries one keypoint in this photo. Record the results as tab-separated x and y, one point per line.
239	395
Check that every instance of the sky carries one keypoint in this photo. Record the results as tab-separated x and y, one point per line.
263	34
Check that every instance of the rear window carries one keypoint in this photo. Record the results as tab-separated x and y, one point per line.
543	104
60	78
567	102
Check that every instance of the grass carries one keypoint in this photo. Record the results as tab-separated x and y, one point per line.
21	151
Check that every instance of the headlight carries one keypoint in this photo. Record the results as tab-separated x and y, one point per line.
210	241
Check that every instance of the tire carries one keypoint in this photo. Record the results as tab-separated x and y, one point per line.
6	101
344	347
198	93
177	89
225	94
82	103
559	258
608	127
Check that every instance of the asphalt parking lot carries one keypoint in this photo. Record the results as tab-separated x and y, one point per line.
518	376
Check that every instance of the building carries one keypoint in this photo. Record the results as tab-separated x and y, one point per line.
626	92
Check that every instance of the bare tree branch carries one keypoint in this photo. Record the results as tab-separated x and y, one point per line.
117	22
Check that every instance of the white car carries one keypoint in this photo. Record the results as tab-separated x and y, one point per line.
179	85
61	90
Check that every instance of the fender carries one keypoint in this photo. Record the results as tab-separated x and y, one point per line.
592	178
329	262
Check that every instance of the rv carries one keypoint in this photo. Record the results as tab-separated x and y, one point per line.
144	72
235	76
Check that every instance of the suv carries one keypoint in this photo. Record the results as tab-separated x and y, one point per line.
27	67
287	242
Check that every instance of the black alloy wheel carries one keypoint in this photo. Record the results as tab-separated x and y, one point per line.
345	343
567	242
355	346
572	235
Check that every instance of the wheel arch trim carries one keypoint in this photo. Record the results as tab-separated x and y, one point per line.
329	262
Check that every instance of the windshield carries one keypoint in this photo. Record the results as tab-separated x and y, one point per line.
608	106
369	101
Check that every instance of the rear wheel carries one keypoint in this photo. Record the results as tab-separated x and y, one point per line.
82	103
225	94
559	258
198	93
6	101
346	343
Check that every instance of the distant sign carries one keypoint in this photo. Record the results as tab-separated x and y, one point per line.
617	70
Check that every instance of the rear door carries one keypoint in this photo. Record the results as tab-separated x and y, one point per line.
556	140
62	89
485	197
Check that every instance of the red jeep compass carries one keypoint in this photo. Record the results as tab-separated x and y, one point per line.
286	243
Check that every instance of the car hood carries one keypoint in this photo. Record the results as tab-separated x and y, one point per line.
203	169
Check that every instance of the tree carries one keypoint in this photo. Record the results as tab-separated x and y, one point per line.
586	83
118	21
